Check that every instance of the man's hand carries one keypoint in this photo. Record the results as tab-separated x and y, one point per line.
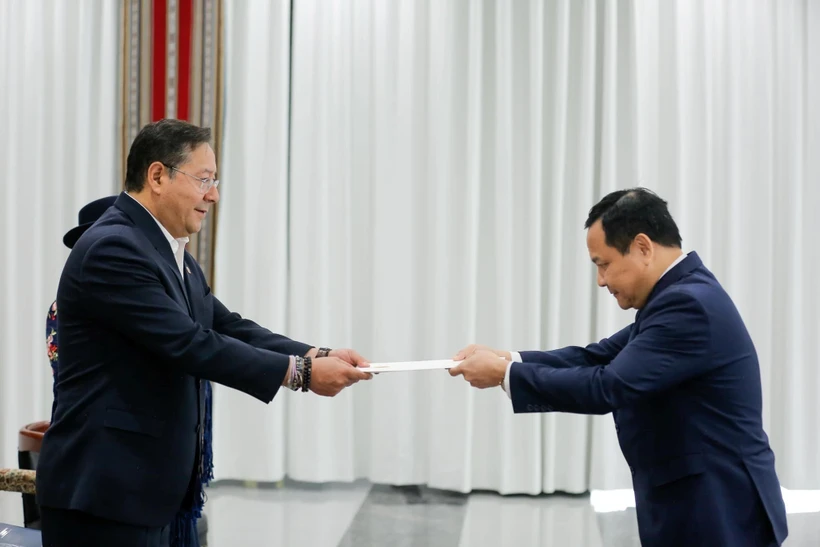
473	348
482	369
350	356
330	375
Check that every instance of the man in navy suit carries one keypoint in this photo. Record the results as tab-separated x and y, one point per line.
140	332
682	382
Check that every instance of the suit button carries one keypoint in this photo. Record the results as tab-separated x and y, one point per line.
631	469
529	408
617	428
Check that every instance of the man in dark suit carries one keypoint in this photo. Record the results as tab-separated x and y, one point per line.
140	332
682	382
87	216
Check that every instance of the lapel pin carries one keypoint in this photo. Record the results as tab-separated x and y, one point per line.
187	269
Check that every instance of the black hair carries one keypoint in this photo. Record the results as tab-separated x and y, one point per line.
166	141
626	213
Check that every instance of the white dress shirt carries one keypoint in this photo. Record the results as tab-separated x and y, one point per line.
177	244
516	356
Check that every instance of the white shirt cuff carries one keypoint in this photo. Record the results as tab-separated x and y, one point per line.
515	357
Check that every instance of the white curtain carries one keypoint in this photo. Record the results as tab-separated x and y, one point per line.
58	151
443	156
251	265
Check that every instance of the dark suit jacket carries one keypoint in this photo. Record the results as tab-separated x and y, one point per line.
683	384
135	340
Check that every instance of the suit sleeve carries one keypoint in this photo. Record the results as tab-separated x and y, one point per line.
123	290
601	353
672	347
234	325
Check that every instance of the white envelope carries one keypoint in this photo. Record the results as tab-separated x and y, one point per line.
403	366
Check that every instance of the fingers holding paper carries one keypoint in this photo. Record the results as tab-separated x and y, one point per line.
350	356
483	368
330	375
473	348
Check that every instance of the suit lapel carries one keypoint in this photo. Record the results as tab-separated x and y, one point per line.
192	288
684	268
175	272
184	289
143	219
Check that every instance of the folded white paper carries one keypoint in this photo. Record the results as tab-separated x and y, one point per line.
437	364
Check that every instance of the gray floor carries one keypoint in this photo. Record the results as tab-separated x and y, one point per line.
365	515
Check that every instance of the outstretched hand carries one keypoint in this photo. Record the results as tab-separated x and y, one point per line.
330	375
482	369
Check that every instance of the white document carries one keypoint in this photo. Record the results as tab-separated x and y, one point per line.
438	364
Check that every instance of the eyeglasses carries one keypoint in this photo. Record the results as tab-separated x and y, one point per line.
204	184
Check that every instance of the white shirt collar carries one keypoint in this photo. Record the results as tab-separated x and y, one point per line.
675	263
177	244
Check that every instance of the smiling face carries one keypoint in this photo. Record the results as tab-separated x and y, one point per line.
181	206
628	277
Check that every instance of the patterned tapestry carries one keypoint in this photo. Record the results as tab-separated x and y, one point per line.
172	68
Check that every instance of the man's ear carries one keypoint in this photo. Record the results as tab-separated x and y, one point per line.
154	176
643	247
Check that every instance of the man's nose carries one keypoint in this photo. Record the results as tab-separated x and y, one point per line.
601	282
212	195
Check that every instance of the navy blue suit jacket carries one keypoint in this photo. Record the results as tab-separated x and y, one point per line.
683	384
135	340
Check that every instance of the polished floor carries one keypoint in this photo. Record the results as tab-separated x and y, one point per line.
365	515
